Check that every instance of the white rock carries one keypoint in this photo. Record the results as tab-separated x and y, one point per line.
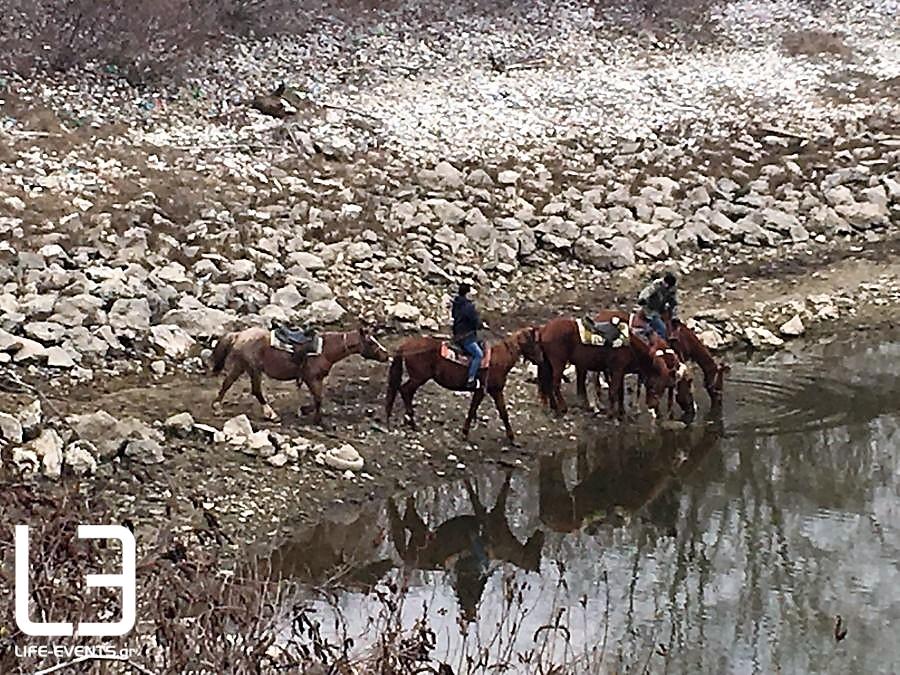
145	451
31	417
173	340
237	430
279	459
508	177
325	311
181	424
259	443
793	327
100	429
79	458
762	337
58	357
403	311
48	448
10	428
344	457
130	314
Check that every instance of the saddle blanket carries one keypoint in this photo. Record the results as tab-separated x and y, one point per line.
315	350
616	336
449	353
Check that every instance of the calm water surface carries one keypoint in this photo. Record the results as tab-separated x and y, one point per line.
725	548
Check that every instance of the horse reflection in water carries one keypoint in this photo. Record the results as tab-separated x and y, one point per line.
464	544
617	480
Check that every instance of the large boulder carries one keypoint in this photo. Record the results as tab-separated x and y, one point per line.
100	429
201	321
325	312
130	314
174	341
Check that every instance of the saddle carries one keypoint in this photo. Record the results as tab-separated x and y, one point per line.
454	352
299	342
611	334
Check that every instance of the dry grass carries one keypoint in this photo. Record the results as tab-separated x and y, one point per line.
815	43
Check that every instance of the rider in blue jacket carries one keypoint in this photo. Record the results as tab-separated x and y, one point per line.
466	323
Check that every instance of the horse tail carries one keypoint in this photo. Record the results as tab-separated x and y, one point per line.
395	378
545	381
221	351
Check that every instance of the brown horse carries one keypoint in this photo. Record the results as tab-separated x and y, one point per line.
250	351
689	347
562	345
423	361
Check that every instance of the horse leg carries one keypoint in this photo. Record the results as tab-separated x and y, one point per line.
617	393
477	396
407	391
500	402
581	386
561	406
256	388
671	403
316	388
233	374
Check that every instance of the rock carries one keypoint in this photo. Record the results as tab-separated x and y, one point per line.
10	428
31	418
101	430
781	222
259	443
655	247
325	311
344	458
58	357
447	213
508	177
306	260
145	451
359	251
201	321
793	327
47	332
237	430
798	233
79	458
449	177
761	338
287	297
48	448
22	349
158	367
174	341
278	459
180	425
711	338
25	460
864	215
130	314
403	311
480	178
15	203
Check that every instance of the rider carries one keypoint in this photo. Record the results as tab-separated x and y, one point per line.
659	296
466	323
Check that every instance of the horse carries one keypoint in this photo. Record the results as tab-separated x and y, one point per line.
250	351
561	344
690	348
684	379
423	361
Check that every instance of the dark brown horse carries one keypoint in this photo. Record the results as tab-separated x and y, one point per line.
689	347
249	351
423	361
561	344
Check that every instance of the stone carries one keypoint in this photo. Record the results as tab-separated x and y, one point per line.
144	451
130	314
10	428
48	448
863	215
47	332
792	328
711	338
781	222
259	443
359	251
798	233
58	357
403	311
344	458
446	212
237	430
287	297
79	458
173	340
180	424
508	177
480	178
201	321
26	461
31	417
308	261
760	338
15	203
101	430
325	311
279	459
449	176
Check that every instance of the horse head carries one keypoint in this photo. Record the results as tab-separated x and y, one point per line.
370	347
528	341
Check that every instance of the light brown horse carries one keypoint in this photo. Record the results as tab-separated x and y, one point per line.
249	351
423	361
690	348
561	344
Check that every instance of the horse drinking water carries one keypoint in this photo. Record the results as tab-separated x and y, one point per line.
250	351
424	361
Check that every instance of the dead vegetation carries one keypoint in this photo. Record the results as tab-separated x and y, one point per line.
812	43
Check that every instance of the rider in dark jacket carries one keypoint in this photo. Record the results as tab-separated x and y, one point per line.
466	323
657	297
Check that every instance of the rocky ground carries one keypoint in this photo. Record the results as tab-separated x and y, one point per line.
556	163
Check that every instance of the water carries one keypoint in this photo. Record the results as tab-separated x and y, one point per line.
726	548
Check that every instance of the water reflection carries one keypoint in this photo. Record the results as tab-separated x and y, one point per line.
726	548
